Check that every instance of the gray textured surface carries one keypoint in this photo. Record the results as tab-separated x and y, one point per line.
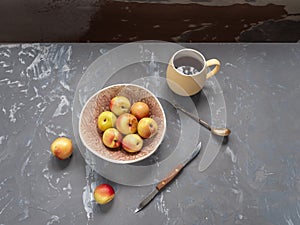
254	179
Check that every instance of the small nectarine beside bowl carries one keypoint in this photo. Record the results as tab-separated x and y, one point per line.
106	142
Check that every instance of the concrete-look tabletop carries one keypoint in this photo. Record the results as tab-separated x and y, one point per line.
254	178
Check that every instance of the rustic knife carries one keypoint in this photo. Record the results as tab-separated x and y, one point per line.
168	178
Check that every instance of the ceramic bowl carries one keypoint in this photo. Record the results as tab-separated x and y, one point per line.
91	136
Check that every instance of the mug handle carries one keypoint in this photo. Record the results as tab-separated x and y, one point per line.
213	62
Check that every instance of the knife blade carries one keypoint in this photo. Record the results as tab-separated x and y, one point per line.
168	179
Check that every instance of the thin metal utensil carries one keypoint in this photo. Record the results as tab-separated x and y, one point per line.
217	131
168	179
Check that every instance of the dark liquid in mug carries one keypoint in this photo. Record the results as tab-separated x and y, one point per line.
188	65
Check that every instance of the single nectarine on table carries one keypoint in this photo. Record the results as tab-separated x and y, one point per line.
104	193
62	148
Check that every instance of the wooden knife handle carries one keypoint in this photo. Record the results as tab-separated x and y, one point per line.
170	177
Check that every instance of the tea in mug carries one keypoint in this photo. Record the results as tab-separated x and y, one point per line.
188	65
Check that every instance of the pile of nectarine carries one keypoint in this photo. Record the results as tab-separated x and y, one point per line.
126	125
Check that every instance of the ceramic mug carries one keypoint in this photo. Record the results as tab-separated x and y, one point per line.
188	70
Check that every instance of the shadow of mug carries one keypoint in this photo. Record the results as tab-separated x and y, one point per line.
188	70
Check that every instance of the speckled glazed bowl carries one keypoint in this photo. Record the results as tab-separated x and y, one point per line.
91	136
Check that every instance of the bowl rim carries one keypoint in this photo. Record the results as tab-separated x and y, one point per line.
127	161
